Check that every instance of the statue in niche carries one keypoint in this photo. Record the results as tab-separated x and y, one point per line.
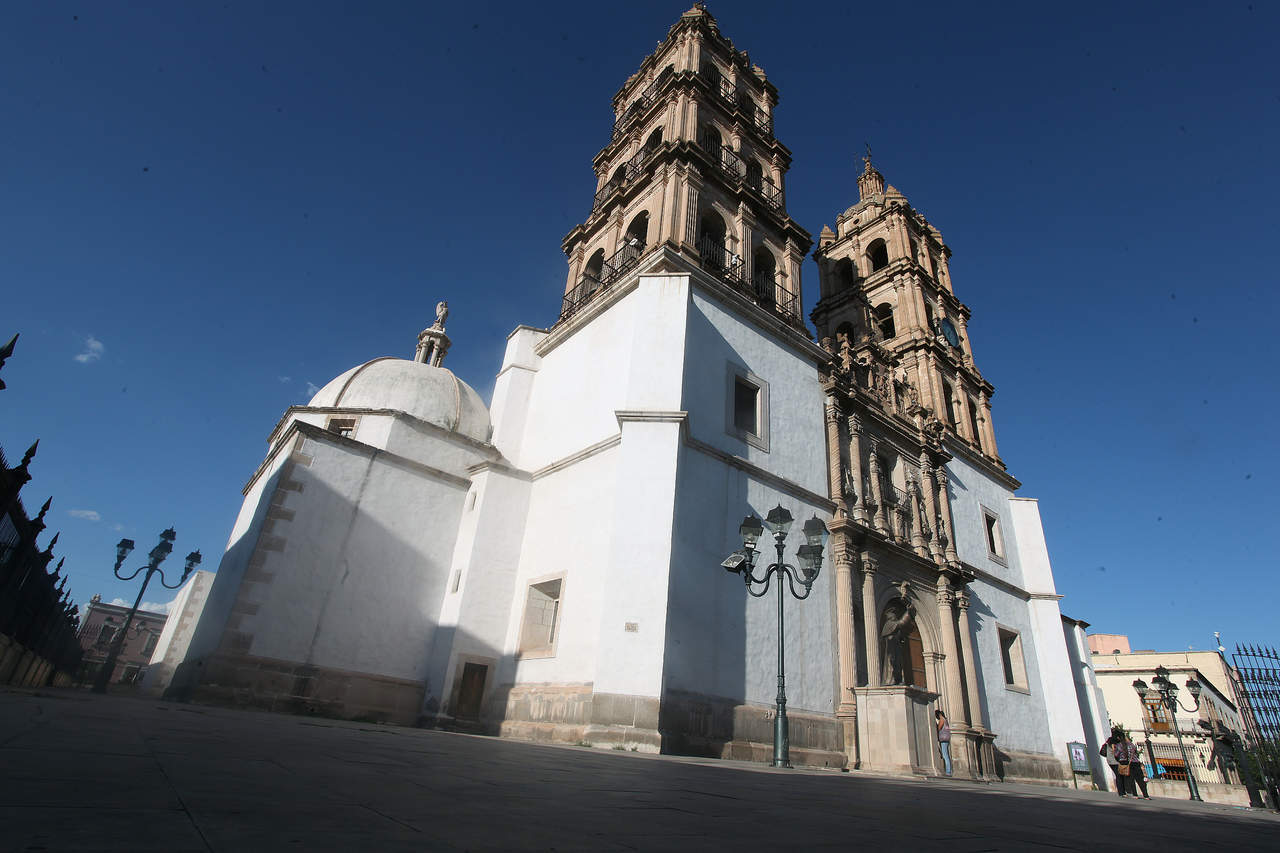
899	622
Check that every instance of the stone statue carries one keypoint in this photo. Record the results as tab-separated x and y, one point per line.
442	314
899	621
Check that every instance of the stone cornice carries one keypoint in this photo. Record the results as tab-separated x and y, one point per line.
315	433
416	423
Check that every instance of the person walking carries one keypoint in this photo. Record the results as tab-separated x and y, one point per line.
944	739
1126	754
1136	776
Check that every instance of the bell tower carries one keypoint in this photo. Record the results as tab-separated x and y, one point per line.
883	278
692	168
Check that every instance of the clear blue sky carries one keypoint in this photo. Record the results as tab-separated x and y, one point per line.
204	208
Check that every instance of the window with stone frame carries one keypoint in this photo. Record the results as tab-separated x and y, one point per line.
747	407
149	647
995	537
1012	660
1157	715
540	628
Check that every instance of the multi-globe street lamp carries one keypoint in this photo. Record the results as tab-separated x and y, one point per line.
743	562
154	559
1166	692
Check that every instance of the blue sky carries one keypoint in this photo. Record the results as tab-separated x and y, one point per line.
209	208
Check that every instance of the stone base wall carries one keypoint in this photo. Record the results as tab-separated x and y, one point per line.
285	686
1210	792
1031	767
680	723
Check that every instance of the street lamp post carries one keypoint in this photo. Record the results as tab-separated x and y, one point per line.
1167	693
809	556
155	558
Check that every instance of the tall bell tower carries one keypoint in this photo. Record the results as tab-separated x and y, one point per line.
884	278
692	166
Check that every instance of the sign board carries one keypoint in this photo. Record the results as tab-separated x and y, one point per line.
1079	756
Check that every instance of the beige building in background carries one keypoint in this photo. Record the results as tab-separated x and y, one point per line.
1152	727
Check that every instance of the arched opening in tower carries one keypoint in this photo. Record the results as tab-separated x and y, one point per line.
884	320
878	255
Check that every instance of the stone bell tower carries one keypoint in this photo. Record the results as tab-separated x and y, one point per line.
693	166
903	398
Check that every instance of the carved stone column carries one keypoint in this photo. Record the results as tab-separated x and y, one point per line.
944	505
953	695
914	505
691	213
877	492
970	665
870	618
847	710
855	468
929	488
834	483
984	422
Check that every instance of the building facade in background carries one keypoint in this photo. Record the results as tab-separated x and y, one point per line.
99	625
548	567
1205	731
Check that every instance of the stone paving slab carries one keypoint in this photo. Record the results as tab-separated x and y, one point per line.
88	772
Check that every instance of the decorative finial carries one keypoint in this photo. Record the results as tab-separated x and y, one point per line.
433	343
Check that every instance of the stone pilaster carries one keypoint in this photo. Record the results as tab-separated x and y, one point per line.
855	468
915	504
953	690
970	664
870	619
929	488
834	485
847	710
944	506
877	492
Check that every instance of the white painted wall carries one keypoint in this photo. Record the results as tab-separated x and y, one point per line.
359	582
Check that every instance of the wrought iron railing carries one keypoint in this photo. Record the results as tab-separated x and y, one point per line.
735	168
618	264
718	260
637	163
641	104
605	193
763	122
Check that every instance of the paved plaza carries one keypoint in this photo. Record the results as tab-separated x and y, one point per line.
88	772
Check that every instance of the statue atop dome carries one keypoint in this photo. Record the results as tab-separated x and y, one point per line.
433	343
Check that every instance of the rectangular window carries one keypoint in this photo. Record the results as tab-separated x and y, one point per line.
1157	715
747	407
345	427
1015	668
995	539
541	619
105	634
150	645
948	396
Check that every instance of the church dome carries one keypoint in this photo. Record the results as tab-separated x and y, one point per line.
431	394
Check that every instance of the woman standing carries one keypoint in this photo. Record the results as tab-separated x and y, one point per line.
1108	752
1136	776
944	739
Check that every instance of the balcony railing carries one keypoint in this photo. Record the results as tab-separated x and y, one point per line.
592	283
641	104
718	260
735	169
605	193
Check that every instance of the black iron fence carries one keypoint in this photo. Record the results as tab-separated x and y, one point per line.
592	282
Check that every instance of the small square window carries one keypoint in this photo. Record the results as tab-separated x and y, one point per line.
1015	667
747	408
345	427
995	538
541	624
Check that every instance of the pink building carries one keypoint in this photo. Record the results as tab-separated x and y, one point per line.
98	626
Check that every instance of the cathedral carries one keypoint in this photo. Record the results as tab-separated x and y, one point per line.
548	566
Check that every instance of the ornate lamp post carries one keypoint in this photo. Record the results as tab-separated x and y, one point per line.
155	558
809	556
1166	692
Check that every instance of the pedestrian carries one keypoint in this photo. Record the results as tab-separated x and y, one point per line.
944	739
1125	754
1136	776
1108	752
